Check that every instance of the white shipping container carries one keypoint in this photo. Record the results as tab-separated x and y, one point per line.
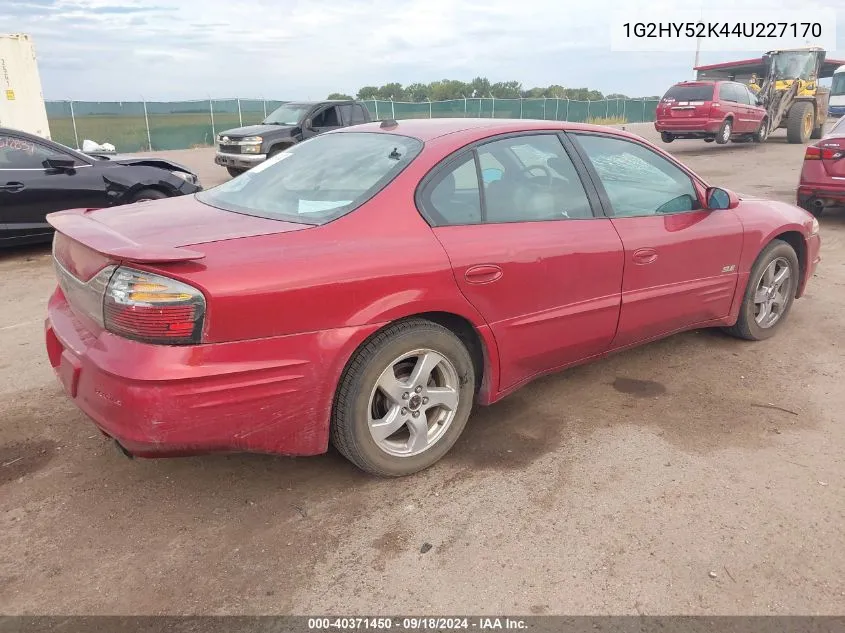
21	100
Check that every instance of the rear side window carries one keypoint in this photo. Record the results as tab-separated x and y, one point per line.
728	92
318	180
702	92
358	115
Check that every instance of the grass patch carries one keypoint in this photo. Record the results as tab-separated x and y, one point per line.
607	120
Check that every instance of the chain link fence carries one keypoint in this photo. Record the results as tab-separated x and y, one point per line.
133	126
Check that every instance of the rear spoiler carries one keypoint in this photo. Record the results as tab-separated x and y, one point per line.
77	225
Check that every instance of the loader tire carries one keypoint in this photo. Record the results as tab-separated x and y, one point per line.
818	131
800	123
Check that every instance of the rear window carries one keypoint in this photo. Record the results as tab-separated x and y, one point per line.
690	93
318	180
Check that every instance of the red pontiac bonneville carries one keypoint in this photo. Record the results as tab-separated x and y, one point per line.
367	286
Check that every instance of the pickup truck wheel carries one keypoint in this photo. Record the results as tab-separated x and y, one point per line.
725	131
148	194
769	294
403	399
235	171
666	137
799	122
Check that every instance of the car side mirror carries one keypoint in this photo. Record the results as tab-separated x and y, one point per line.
59	163
718	199
308	124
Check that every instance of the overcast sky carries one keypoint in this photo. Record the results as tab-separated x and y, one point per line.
299	49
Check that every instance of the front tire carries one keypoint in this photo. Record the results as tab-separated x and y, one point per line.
770	293
725	131
145	195
799	122
404	399
234	172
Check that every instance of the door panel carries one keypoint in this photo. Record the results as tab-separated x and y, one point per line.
551	295
680	259
527	252
689	278
28	191
46	191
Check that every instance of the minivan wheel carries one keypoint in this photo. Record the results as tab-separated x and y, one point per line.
724	133
770	293
404	399
666	137
762	132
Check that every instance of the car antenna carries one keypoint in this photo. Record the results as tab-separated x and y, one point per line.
388	123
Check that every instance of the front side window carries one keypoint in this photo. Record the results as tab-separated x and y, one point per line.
318	180
20	153
638	181
837	86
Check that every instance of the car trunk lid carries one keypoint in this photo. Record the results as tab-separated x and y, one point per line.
87	241
831	151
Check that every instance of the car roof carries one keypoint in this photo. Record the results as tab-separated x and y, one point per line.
702	82
429	129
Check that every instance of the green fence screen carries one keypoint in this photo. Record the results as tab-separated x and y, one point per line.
161	125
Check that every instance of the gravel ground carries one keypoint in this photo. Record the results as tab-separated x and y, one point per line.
658	481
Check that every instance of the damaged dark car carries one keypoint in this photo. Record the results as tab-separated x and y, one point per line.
38	177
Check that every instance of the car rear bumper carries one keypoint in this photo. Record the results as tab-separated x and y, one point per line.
239	161
267	395
828	193
688	126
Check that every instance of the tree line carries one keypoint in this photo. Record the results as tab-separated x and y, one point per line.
480	87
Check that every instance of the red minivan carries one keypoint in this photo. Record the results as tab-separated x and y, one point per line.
822	181
711	110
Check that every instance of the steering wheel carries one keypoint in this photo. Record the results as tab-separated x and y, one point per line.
543	168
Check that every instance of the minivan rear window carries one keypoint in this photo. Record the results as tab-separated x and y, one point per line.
690	93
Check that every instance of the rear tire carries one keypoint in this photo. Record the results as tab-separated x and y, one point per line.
666	137
818	132
799	122
725	131
709	140
811	207
234	172
762	288
379	405
148	194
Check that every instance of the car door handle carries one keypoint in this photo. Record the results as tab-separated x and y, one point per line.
13	187
644	255
483	274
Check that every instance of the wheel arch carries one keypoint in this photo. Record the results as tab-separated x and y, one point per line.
799	244
477	338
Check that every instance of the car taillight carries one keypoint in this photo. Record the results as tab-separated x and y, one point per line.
822	153
152	308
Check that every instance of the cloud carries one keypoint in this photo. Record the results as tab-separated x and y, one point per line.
299	49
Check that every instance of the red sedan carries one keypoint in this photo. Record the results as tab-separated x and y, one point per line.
822	182
368	286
